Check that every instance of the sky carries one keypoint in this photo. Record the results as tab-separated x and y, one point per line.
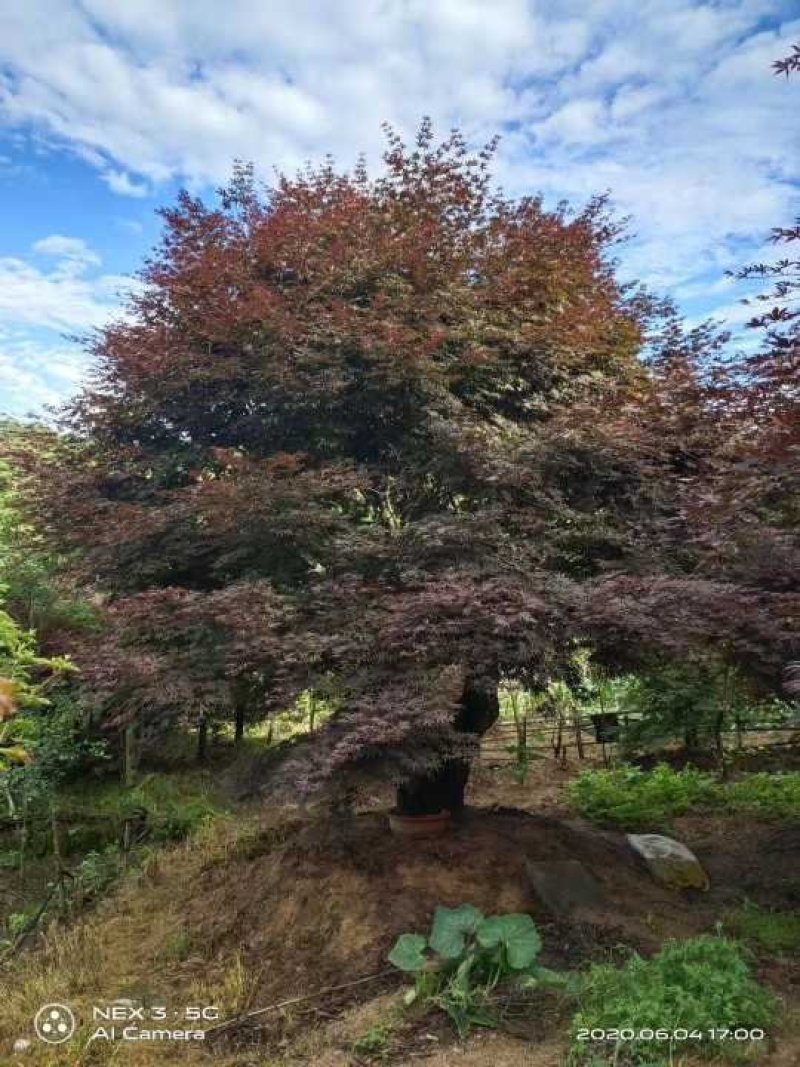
109	107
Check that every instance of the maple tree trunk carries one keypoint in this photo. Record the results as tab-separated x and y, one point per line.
202	739
691	739
239	701
238	724
129	754
444	789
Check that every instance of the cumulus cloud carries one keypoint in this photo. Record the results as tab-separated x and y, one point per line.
66	295
40	307
122	183
35	374
73	254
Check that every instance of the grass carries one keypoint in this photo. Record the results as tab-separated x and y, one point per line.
634	799
160	809
777	932
137	945
177	946
175	804
693	989
374	1042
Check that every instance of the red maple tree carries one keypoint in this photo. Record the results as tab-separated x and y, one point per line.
399	431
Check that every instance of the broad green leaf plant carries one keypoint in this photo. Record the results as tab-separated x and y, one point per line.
466	957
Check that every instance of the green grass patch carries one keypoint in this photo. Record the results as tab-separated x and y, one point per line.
177	946
635	799
375	1042
174	805
776	931
105	828
688	998
765	793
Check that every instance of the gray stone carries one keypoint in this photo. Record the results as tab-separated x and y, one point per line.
565	887
670	862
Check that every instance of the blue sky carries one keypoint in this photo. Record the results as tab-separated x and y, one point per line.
107	107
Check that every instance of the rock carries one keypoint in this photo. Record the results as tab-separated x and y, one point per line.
565	887
22	1044
670	862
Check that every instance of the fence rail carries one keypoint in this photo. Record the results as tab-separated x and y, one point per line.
499	745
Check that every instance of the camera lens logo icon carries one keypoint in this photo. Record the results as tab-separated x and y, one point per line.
55	1023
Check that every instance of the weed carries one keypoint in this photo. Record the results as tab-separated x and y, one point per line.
775	931
177	945
71	963
684	998
19	921
375	1041
232	990
9	859
633	798
768	794
97	872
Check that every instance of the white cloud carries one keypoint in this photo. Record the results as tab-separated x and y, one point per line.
122	183
39	308
73	254
35	374
578	122
67	295
64	247
632	100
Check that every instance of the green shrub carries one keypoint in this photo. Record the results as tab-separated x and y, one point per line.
636	799
776	931
764	793
97	872
633	798
694	989
173	806
466	957
19	921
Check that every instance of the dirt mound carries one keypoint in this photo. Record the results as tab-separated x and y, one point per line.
278	905
319	903
750	860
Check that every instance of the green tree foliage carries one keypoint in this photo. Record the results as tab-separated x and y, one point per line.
690	703
43	739
33	578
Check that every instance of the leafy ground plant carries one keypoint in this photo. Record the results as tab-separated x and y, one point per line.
466	958
635	799
696	996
